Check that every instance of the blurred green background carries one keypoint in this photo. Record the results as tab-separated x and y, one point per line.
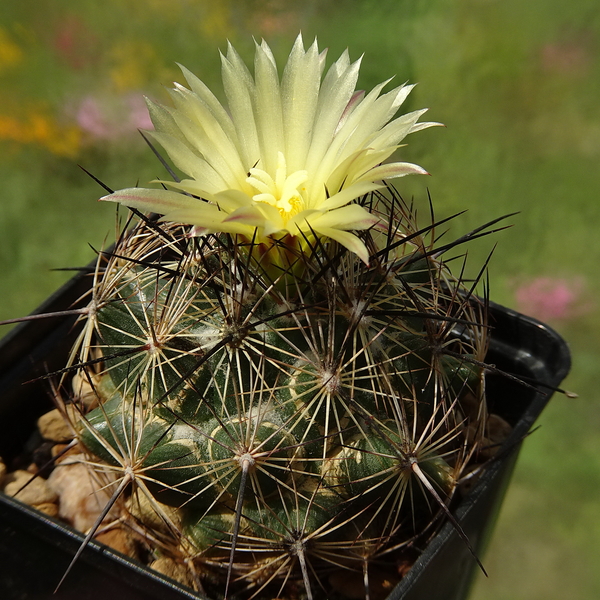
516	82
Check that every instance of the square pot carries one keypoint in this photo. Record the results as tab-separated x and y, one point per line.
35	550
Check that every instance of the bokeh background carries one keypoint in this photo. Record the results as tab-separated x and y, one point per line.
516	82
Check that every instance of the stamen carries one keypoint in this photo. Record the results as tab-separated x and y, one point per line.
282	192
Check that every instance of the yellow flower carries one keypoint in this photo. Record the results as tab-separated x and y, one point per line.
287	157
10	54
39	127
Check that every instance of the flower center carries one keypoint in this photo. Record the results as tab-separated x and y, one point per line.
284	192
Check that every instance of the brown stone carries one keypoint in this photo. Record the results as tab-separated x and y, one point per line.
55	427
497	429
61	452
173	569
82	495
30	490
48	508
119	539
2	472
83	391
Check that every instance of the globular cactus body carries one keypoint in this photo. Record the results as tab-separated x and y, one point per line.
284	429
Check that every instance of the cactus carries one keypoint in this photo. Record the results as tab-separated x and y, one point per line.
288	379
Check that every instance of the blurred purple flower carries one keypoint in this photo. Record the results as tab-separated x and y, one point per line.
112	119
552	299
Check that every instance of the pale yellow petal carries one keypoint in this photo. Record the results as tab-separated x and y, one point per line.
208	218
248	215
205	134
239	90
348	194
158	201
164	122
399	96
210	100
395	131
392	170
273	221
299	97
346	239
230	200
345	142
350	217
268	110
190	162
420	126
193	187
355	166
334	99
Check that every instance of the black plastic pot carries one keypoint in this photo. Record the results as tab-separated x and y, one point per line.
35	550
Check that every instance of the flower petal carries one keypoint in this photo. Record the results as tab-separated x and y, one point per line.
231	200
348	194
345	141
242	209
201	90
239	90
190	162
164	122
391	170
356	166
207	137
348	240
299	97
158	201
336	99
273	222
267	106
249	215
425	125
395	131
351	217
207	226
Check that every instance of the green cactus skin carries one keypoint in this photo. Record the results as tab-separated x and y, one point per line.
297	426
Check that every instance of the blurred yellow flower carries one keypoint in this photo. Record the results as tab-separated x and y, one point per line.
288	156
42	130
10	53
216	22
132	63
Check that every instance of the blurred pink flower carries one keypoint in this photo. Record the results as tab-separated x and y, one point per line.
552	299
112	119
